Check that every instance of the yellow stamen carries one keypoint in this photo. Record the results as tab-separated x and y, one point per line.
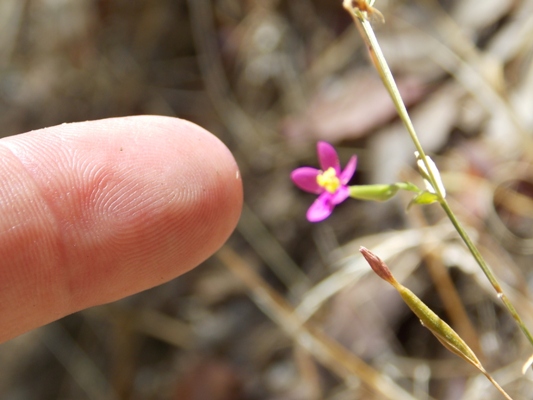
328	180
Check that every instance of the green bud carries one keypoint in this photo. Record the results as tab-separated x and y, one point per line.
380	192
442	331
424	197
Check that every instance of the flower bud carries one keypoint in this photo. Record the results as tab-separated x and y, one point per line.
379	267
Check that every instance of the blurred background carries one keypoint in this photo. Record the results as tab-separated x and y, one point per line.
263	320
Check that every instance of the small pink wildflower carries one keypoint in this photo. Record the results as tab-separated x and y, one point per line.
330	183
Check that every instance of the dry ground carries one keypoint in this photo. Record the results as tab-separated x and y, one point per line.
270	78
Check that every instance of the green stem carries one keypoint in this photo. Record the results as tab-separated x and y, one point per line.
390	84
486	269
385	73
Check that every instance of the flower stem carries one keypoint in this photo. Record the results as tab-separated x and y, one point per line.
486	269
365	28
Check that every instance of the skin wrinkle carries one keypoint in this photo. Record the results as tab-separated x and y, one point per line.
55	167
127	220
28	239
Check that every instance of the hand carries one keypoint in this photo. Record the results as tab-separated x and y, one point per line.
95	211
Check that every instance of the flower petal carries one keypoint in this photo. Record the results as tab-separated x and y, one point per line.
348	172
340	195
305	179
327	156
321	208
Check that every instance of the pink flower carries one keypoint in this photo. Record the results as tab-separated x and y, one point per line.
330	183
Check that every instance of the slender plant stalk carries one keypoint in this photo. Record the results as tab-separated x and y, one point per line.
442	331
360	16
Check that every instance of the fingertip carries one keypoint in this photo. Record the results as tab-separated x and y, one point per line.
120	205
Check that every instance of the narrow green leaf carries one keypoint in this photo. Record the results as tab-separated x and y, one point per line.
424	197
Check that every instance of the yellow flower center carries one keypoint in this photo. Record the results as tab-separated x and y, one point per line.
328	180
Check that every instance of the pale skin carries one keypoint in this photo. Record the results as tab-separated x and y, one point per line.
96	211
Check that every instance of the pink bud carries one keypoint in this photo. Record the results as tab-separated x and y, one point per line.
379	267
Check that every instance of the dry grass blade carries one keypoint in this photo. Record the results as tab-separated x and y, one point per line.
256	233
352	268
78	363
216	83
328	352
